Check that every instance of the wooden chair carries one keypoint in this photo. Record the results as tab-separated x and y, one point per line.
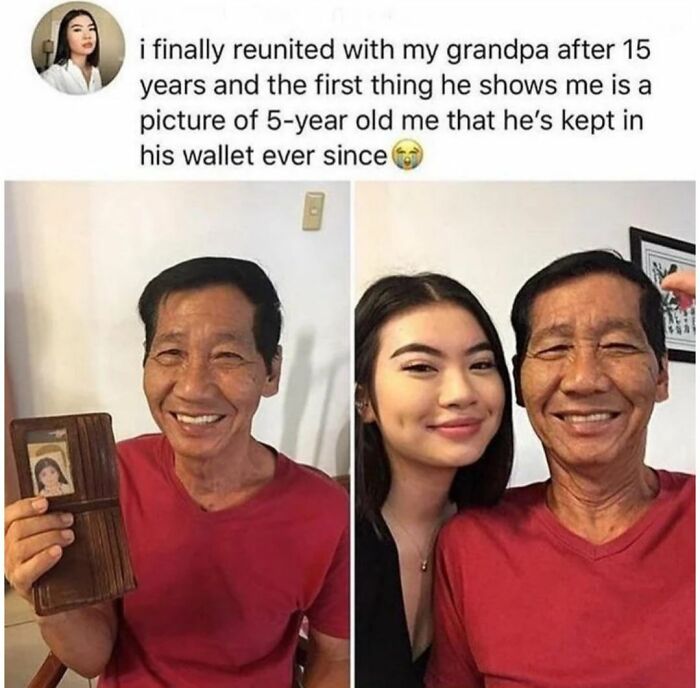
52	670
50	673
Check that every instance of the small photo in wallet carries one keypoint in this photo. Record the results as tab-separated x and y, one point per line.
71	460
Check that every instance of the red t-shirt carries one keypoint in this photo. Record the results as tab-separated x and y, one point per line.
221	595
521	601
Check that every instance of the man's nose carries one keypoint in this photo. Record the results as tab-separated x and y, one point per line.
456	389
584	372
194	378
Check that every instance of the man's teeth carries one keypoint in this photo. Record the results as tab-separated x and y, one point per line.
588	418
197	420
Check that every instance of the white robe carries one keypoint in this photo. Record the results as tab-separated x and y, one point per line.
68	78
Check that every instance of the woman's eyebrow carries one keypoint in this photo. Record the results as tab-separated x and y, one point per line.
481	346
418	348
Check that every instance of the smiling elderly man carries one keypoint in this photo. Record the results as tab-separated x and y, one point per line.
232	542
586	580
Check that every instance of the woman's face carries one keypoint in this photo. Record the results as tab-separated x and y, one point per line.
82	35
48	476
438	397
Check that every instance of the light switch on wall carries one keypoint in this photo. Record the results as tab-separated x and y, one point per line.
313	211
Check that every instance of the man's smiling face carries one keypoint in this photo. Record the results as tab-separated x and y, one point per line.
203	375
589	377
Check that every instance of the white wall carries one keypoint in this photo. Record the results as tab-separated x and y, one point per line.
493	236
79	254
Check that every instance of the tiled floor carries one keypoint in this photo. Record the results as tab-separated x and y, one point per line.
24	648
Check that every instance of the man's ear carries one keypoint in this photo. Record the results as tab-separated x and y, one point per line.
363	405
662	380
272	382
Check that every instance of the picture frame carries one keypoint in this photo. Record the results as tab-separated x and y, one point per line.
658	256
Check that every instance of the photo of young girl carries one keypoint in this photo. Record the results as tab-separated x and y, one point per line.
48	454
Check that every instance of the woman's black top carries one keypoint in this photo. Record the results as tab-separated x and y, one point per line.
382	643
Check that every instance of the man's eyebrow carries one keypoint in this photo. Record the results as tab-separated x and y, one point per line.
172	335
177	335
418	348
607	325
558	329
621	324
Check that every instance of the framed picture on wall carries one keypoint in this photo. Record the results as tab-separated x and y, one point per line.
659	256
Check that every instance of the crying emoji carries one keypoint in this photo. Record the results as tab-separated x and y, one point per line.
407	154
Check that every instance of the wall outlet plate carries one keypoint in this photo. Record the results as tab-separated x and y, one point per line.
313	211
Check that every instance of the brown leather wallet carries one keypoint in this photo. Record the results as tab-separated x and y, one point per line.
71	460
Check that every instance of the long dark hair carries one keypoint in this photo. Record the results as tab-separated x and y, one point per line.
62	47
481	483
47	462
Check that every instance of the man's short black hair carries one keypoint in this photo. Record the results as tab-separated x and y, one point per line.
580	265
207	272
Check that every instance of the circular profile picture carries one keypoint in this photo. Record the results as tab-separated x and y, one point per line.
78	48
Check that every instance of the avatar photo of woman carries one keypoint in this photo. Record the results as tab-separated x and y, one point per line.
78	49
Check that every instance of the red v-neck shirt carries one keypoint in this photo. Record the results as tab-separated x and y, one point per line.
521	601
221	595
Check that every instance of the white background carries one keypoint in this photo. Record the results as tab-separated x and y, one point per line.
78	256
52	136
49	136
493	237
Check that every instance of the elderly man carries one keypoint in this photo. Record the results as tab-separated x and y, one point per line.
586	580
232	543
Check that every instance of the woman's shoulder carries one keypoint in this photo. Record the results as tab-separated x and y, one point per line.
53	73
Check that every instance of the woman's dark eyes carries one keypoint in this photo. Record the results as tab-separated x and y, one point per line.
419	368
427	368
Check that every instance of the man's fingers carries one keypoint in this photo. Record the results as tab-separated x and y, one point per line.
682	281
27	527
24	508
27	548
26	574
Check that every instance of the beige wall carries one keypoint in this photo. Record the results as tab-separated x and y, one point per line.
111	38
493	236
77	256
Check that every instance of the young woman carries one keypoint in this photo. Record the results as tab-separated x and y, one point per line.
433	434
75	68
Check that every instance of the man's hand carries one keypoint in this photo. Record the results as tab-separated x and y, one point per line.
328	664
34	541
682	284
